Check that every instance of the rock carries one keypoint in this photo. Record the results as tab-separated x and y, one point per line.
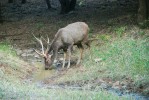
28	50
97	60
19	51
36	56
100	81
124	87
117	85
58	64
24	54
27	55
124	83
103	86
61	59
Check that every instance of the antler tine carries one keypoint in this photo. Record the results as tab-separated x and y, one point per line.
48	39
38	52
48	44
42	47
40	41
45	39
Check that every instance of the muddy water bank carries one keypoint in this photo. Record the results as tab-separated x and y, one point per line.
130	96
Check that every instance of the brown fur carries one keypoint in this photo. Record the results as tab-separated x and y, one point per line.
73	34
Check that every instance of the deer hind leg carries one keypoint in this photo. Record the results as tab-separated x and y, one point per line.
80	46
88	45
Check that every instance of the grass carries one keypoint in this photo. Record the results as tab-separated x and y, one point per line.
117	61
5	47
13	70
125	56
121	57
24	91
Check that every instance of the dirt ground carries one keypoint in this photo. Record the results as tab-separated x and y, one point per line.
34	17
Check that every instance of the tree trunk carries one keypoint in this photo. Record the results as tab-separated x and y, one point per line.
64	6
67	5
147	7
72	5
10	1
1	20
23	1
48	4
143	12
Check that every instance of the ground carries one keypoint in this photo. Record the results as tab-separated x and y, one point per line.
34	17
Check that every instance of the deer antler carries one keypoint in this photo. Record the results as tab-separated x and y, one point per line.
48	44
38	53
40	41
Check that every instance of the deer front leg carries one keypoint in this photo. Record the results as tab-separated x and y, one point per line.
64	60
54	57
69	55
80	57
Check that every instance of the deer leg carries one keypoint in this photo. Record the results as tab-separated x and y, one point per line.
80	57
69	55
54	57
88	44
64	60
80	46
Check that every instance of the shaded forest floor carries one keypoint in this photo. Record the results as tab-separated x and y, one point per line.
34	17
108	21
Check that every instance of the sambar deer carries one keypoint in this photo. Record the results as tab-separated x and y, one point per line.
73	34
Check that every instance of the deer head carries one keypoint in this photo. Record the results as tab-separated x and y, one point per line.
44	53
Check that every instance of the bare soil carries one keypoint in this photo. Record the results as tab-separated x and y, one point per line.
34	17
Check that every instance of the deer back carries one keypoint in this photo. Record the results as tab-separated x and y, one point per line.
72	33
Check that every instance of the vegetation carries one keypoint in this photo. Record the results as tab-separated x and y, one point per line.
120	57
10	90
13	70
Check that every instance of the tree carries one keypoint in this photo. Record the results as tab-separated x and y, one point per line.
10	1
48	4
1	20
143	11
67	5
72	5
23	1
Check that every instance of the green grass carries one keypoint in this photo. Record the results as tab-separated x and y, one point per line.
5	47
120	31
120	57
123	57
13	69
27	92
